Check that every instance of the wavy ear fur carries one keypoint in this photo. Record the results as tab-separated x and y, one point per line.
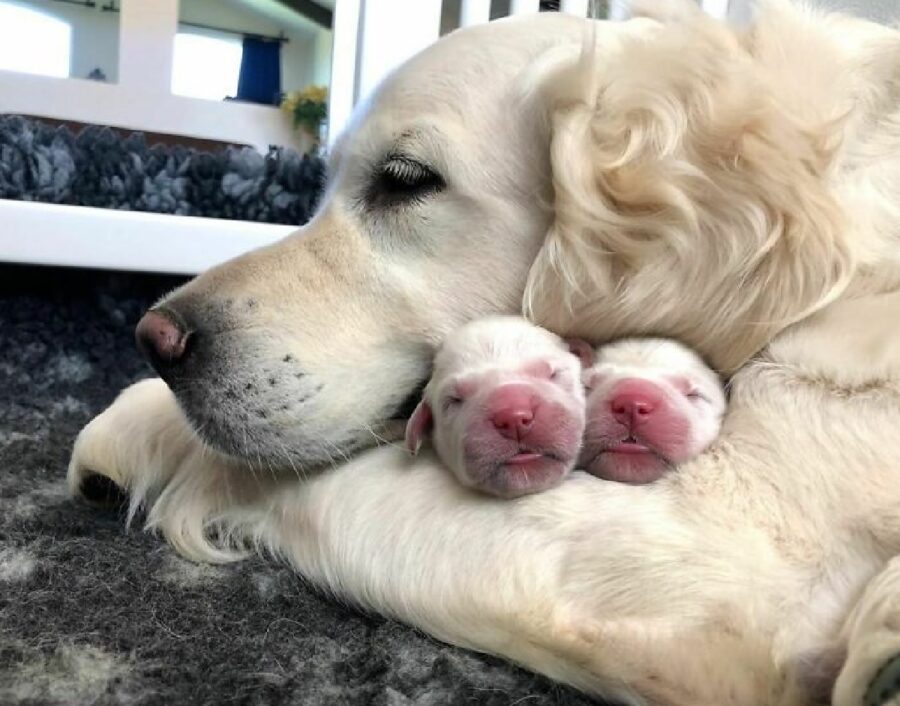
690	202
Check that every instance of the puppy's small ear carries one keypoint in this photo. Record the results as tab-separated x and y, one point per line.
418	427
583	350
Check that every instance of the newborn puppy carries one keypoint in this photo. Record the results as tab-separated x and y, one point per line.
506	406
651	403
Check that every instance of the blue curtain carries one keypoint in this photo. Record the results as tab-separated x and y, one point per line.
260	77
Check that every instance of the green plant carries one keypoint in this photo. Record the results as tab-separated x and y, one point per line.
308	108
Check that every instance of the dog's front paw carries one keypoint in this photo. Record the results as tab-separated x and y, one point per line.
132	445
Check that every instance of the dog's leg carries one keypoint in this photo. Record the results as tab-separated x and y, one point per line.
871	673
403	538
142	450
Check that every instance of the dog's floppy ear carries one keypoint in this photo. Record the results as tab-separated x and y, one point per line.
418	426
690	201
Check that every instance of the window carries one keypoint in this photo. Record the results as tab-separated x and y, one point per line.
33	42
206	66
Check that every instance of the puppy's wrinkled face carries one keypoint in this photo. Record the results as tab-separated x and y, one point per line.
651	404
507	407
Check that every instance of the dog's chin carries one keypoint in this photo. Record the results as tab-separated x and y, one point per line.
262	448
276	439
635	468
277	414
519	474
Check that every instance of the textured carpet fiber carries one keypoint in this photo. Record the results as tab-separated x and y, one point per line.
92	613
104	168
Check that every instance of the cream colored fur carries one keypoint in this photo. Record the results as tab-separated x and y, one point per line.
738	191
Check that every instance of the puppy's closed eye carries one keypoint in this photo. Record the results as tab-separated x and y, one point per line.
400	180
451	402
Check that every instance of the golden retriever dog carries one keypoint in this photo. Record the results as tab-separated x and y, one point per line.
736	190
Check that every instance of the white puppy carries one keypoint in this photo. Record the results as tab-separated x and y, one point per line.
652	403
506	405
509	416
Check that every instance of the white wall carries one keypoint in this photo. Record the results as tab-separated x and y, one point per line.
881	10
306	57
740	11
322	63
95	36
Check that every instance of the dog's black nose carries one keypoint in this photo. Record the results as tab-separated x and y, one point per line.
162	340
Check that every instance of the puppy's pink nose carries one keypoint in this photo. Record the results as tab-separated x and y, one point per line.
634	401
511	410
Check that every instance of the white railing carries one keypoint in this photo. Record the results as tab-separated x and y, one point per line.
716	8
474	12
372	37
575	7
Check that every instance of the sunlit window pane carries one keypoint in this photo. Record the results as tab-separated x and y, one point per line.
206	67
33	42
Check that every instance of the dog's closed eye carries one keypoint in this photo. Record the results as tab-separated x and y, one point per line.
400	180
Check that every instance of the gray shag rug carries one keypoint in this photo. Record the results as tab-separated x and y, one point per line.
104	168
94	613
